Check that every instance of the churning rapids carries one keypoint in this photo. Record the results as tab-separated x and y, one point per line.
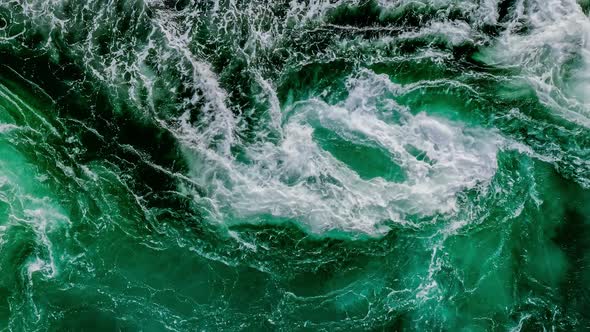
294	165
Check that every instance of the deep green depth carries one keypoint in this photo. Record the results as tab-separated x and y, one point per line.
106	220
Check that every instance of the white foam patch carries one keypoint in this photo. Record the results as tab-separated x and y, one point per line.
7	127
556	45
454	32
296	179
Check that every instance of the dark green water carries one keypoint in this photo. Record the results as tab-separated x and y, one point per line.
304	165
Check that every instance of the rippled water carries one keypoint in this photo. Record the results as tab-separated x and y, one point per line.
294	165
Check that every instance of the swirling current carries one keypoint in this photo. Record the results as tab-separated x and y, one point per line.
294	165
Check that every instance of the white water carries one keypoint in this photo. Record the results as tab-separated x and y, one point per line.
295	179
559	35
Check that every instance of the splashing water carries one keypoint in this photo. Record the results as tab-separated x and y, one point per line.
294	165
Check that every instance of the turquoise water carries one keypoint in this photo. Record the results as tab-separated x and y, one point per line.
314	165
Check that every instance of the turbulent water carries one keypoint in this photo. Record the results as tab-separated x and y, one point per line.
294	165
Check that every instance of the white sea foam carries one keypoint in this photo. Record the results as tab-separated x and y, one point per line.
296	179
557	45
7	127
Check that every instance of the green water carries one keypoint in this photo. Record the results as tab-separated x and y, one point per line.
305	165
